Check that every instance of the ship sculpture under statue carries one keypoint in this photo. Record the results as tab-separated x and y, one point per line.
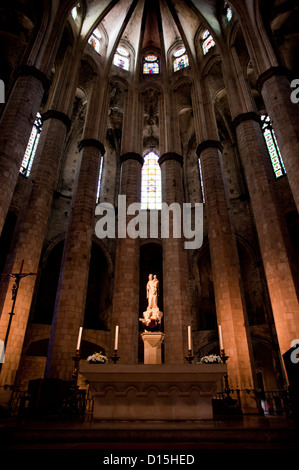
152	316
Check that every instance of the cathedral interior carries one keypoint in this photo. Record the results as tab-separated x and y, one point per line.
189	102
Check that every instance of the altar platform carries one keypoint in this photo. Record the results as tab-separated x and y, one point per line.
163	392
249	433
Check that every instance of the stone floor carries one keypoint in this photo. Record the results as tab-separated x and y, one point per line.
249	432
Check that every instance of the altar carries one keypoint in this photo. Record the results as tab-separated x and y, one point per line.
158	392
153	391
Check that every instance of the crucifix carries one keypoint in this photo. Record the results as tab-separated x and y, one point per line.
15	287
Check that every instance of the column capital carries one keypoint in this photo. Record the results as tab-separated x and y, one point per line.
53	114
171	156
251	116
215	144
131	156
91	143
34	72
271	72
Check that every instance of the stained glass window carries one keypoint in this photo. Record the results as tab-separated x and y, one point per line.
31	146
121	59
272	145
208	42
201	181
75	13
151	190
229	12
94	42
180	62
151	64
100	180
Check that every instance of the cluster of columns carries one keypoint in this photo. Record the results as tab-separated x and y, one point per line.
32	226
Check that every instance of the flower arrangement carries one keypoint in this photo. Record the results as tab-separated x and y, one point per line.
97	358
211	359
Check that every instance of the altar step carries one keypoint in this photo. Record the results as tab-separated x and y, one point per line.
247	433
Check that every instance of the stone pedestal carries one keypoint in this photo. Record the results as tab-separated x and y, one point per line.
165	392
152	347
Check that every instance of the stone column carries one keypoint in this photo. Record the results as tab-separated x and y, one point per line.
284	114
15	128
255	160
279	277
230	305
35	210
275	89
231	314
175	266
127	265
35	215
72	286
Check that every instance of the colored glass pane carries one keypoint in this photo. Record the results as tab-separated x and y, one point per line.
100	180
121	61
150	67
31	147
180	62
272	145
179	52
151	58
151	191
207	44
201	181
75	13
229	14
94	42
122	51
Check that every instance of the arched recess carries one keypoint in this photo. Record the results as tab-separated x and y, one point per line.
205	299
44	302
151	262
256	297
265	366
99	292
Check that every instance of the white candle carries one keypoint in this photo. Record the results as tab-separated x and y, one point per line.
79	338
189	338
116	338
220	337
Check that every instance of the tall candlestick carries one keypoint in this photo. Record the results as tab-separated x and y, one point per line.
189	339
116	338
220	338
79	338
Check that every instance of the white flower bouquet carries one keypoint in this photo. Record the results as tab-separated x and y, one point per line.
211	359
97	358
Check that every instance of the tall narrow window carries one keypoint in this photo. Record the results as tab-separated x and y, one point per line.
151	64
121	58
75	12
151	186
31	146
94	40
208	41
100	180
201	181
272	145
181	60
228	12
